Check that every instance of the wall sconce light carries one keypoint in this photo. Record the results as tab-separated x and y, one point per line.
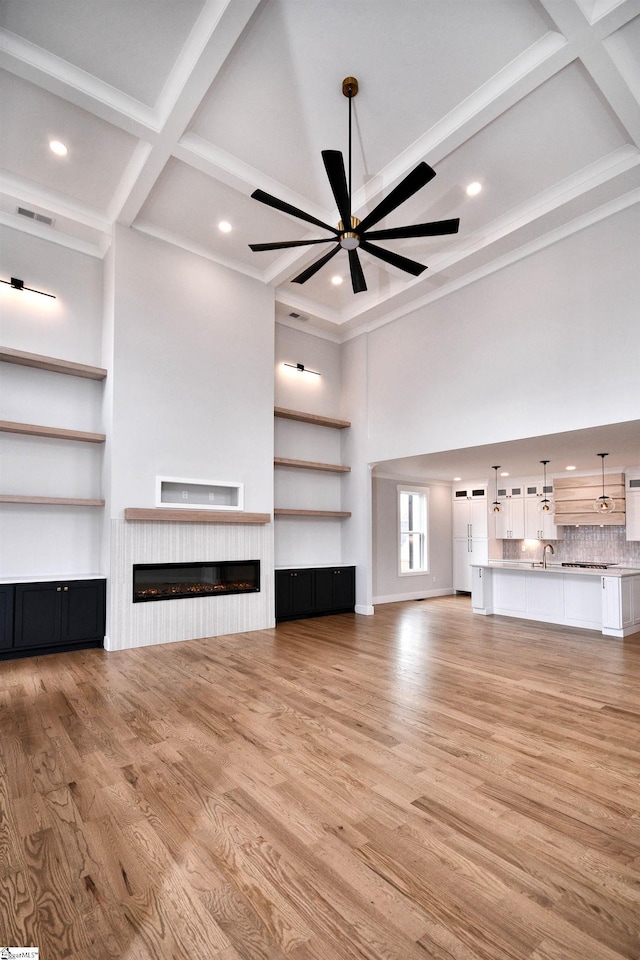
19	285
301	367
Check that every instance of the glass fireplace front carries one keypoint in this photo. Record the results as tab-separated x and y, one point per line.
173	581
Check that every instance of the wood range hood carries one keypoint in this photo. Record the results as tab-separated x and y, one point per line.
574	498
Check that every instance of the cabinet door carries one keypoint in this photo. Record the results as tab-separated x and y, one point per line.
517	518
83	610
632	507
294	592
334	589
461	518
38	614
479	517
461	567
6	616
611	603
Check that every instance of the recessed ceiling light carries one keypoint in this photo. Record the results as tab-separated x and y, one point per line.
58	148
570	468
474	189
336	281
224	226
504	473
457	479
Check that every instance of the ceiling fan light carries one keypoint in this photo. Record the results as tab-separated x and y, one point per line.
349	241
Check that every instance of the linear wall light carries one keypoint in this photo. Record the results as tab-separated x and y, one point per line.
301	367
19	285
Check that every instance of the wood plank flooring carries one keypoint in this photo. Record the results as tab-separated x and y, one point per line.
418	785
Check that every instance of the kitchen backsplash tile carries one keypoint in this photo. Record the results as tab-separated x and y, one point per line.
595	544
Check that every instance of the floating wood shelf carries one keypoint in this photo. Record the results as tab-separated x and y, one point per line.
61	501
284	512
162	514
57	433
310	465
40	362
285	414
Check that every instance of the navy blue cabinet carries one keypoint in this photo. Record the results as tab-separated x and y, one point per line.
52	616
314	592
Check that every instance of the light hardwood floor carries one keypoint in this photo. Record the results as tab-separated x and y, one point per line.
418	785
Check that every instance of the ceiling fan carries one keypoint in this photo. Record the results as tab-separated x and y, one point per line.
352	234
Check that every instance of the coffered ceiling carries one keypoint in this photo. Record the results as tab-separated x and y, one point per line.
174	111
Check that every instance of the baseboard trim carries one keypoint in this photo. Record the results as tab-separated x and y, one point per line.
417	595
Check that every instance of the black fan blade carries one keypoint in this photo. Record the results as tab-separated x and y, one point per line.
357	276
287	208
436	229
413	182
410	266
310	271
334	165
282	245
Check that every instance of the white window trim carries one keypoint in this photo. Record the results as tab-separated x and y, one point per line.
412	488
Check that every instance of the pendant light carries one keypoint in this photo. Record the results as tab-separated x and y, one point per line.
496	506
544	506
604	504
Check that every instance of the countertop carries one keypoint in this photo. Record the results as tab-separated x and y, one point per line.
555	568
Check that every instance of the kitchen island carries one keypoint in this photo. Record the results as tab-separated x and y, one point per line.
606	600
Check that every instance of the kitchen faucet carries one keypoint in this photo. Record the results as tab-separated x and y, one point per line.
544	554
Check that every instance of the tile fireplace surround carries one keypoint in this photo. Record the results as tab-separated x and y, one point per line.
144	624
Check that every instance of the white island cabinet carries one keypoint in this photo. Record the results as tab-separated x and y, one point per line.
591	599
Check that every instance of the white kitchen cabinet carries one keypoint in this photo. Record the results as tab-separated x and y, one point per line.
510	521
470	516
470	532
539	526
632	494
466	551
620	605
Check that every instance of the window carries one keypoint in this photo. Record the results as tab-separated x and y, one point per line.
412	528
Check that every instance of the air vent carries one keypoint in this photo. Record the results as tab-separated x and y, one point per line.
297	316
38	217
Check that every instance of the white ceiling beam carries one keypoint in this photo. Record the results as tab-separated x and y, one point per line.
70	83
214	35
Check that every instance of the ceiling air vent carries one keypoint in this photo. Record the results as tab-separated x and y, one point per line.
38	217
297	316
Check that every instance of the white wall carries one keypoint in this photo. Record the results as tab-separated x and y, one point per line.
388	585
548	344
300	541
50	540
193	374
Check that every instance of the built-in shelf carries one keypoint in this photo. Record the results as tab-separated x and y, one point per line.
318	421
310	465
284	512
40	362
61	501
57	433
285	414
160	514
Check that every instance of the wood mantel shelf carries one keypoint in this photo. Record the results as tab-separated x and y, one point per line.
285	512
310	465
58	501
164	514
40	362
285	414
57	433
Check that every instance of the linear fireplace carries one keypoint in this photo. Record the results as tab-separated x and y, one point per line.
173	581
